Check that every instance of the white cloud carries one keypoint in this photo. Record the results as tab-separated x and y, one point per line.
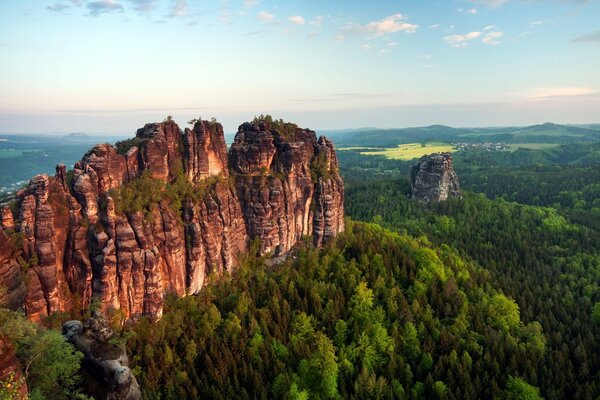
383	51
461	40
250	3
487	36
391	24
489	27
471	11
535	23
313	34
265	16
297	19
491	38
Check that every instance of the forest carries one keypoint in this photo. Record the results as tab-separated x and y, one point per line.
496	295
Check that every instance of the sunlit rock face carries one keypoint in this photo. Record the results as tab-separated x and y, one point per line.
65	242
434	179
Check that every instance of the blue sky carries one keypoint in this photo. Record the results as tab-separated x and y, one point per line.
108	66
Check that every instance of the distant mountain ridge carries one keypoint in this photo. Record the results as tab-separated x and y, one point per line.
542	133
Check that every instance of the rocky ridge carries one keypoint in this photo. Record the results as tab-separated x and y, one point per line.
94	234
434	179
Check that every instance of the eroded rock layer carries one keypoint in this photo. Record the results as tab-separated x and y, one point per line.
82	236
434	179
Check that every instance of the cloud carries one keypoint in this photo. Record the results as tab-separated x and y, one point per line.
297	19
392	24
313	34
143	5
265	17
588	37
489	27
179	8
551	92
318	21
250	3
56	7
103	6
434	26
461	40
257	32
77	2
490	3
535	23
471	11
491	38
487	36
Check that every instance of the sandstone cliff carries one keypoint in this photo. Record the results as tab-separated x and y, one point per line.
434	179
163	213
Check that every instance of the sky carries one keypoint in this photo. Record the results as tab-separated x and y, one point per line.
109	66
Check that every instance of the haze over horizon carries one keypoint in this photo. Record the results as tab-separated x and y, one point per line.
108	66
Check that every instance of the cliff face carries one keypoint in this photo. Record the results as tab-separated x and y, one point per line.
288	186
434	179
84	235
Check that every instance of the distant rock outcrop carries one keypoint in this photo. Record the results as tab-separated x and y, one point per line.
434	179
70	239
107	361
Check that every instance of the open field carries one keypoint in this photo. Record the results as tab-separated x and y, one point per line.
407	151
533	146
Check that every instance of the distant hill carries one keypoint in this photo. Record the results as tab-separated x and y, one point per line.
543	133
77	135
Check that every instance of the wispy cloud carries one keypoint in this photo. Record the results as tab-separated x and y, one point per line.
143	5
257	32
490	3
250	3
588	37
471	11
318	21
56	7
103	6
551	92
179	8
492	38
265	17
297	19
487	36
392	24
434	26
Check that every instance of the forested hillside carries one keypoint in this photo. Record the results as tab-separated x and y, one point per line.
546	258
377	315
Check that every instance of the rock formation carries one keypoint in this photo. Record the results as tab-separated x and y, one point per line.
108	361
434	179
163	213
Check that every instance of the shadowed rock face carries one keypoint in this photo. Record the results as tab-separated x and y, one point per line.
433	178
65	243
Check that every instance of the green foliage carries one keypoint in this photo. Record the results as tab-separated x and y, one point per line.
287	130
544	258
51	365
334	323
596	313
124	146
319	167
139	195
518	389
9	387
